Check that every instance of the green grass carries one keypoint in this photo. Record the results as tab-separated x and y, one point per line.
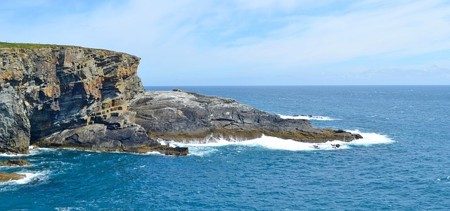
8	45
26	45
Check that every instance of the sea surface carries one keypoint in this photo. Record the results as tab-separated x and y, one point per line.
403	162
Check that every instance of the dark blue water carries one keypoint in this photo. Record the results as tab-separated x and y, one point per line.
411	173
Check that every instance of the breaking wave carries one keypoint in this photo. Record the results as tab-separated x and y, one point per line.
30	177
274	143
32	151
370	139
149	153
308	117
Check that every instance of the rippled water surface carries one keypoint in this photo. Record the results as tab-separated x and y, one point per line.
403	162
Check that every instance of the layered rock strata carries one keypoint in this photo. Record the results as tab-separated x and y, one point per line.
183	116
92	99
67	96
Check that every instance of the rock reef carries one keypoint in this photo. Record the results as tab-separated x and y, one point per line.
83	98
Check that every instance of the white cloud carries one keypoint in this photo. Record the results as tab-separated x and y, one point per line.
403	30
196	38
268	4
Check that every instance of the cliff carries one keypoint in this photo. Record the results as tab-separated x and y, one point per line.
67	96
50	91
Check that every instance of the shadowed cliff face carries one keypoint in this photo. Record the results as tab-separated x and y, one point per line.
14	122
67	87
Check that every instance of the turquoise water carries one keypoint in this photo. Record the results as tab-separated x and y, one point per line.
404	164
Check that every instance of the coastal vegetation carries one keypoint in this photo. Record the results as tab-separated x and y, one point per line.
24	45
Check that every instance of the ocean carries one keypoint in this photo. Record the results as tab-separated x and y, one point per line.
403	163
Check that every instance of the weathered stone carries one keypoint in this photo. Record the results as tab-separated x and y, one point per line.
183	116
14	123
50	89
6	177
14	163
163	149
64	85
99	137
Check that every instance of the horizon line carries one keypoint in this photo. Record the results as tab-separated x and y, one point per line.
296	85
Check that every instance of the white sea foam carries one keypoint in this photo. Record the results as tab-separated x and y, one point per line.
308	117
149	153
370	139
201	151
29	177
273	143
31	151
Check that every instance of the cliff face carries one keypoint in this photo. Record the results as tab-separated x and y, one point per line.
14	122
63	96
57	88
64	87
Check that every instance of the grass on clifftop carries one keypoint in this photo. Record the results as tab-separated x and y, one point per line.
25	45
8	45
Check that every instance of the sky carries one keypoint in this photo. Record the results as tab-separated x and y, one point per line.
251	42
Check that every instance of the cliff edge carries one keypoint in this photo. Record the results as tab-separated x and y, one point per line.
68	96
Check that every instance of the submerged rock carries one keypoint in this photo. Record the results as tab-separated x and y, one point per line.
6	177
164	149
14	163
184	116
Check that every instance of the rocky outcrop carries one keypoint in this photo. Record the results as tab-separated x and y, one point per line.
73	97
69	97
183	116
6	177
100	138
12	163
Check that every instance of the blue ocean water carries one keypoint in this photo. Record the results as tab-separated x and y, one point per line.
413	172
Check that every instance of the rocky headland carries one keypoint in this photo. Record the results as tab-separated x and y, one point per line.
65	96
185	116
92	99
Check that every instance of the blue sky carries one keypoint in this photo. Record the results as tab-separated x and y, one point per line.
251	42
